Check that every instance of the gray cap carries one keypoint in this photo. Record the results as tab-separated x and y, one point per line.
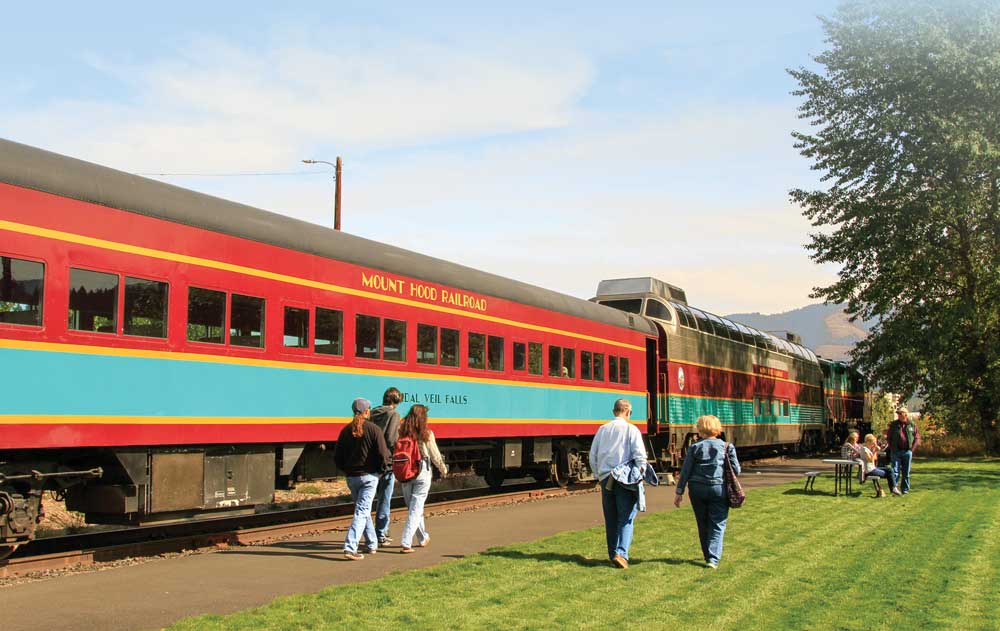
360	405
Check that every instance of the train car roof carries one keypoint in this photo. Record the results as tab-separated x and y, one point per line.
37	169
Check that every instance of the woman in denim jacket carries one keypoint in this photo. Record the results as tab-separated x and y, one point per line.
702	474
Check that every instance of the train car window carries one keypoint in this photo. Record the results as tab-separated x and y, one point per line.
330	332
296	331
704	324
427	344
569	363
145	307
685	316
756	406
206	315
555	361
734	332
746	333
394	340
720	327
656	309
520	356
534	358
585	363
494	353
598	366
775	407
785	408
93	301
246	321
477	351
612	369
21	291
366	336
632	305
623	370
449	347
760	339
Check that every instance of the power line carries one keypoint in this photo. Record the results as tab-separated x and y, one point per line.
245	174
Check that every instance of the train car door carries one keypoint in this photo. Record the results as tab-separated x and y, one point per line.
652	388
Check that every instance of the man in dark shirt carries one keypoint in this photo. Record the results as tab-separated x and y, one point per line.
362	455
387	419
904	438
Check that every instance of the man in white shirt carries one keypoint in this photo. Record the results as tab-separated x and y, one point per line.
617	443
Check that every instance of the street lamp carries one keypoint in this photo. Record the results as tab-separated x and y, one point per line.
336	195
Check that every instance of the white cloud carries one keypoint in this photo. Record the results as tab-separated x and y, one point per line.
696	197
215	106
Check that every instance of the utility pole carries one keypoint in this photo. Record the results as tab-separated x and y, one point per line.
336	195
337	168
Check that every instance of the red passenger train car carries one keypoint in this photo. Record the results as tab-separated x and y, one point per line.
170	354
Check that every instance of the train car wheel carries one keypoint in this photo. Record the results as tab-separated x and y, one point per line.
557	476
494	478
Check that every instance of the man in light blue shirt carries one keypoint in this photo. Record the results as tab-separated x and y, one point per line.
617	443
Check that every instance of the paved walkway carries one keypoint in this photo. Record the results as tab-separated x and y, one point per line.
157	593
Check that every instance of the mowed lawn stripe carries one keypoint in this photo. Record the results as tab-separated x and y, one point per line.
792	561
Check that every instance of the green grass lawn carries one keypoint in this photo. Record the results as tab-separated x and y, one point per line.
929	560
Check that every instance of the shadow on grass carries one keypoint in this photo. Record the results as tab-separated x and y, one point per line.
578	559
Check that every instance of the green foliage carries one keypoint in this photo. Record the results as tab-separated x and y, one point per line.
882	413
793	560
906	131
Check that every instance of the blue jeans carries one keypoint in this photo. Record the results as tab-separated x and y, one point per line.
363	493
620	508
883	472
901	467
383	502
711	512
415	494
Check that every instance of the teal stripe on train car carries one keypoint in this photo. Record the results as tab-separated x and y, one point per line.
686	410
81	384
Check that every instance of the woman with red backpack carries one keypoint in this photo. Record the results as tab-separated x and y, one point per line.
415	451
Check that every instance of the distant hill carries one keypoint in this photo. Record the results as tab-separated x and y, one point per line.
824	328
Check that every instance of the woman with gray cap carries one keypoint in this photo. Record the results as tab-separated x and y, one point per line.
362	455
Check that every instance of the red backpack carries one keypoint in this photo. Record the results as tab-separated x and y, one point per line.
406	459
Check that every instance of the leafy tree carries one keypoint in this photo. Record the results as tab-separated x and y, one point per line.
905	118
882	412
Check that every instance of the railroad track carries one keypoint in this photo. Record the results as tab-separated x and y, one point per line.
55	553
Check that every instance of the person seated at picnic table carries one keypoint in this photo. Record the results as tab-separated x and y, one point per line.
851	450
869	455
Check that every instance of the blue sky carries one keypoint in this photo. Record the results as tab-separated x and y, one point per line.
556	144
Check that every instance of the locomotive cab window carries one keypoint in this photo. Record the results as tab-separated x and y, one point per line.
329	332
206	315
477	351
246	321
145	307
93	301
21	291
296	333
